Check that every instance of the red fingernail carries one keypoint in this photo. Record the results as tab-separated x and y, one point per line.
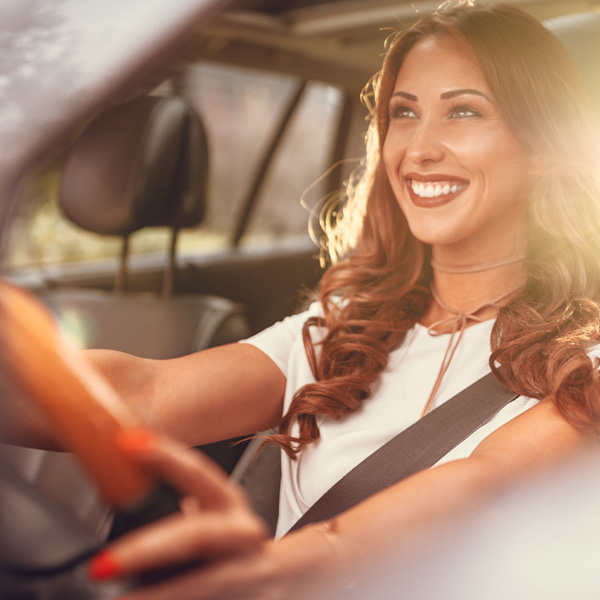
104	566
135	441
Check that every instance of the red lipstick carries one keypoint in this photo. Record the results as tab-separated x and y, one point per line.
427	191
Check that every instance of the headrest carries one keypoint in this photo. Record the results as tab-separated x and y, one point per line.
143	163
580	34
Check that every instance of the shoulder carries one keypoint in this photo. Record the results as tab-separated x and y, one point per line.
280	339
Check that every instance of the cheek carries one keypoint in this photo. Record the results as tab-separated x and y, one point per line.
475	148
391	154
487	151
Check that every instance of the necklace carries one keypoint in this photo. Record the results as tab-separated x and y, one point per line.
476	268
455	325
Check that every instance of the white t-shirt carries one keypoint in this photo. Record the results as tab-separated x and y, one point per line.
396	402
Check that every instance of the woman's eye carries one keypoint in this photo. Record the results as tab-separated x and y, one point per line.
402	112
463	112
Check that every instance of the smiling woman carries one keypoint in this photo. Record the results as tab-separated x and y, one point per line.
471	108
475	257
517	242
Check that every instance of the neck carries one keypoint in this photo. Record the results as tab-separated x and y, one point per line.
465	289
476	268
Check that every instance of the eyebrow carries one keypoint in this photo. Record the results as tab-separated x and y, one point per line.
445	95
467	92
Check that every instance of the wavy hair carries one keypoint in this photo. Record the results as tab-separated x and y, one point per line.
380	290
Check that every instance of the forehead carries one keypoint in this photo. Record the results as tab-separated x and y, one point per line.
440	63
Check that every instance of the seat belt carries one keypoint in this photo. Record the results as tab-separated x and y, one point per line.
414	449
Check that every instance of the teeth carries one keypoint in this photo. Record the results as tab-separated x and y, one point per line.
434	190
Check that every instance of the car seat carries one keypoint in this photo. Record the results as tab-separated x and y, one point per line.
142	164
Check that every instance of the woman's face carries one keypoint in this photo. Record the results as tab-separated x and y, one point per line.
458	171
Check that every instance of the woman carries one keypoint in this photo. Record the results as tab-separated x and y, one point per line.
474	221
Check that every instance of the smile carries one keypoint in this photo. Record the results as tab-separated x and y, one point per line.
432	191
435	189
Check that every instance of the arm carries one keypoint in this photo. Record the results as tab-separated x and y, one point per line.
211	395
529	445
389	522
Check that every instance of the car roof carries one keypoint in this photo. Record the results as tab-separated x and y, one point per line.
339	41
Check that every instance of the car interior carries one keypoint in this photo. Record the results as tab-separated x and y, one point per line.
138	155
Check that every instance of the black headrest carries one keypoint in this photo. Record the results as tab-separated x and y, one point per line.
580	34
143	163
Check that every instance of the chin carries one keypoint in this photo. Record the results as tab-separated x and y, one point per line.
437	233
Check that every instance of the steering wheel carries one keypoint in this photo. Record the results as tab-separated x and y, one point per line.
87	415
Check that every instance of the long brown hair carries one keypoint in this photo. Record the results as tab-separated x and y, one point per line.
381	289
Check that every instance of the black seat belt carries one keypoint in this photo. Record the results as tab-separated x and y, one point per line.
416	448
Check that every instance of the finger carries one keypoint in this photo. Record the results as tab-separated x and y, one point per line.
250	577
179	539
189	471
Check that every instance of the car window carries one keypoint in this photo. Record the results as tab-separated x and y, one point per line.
241	109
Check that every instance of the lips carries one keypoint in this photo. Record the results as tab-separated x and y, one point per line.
434	190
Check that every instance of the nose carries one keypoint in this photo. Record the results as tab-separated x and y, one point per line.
425	144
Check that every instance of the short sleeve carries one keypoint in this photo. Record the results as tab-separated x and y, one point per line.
278	340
